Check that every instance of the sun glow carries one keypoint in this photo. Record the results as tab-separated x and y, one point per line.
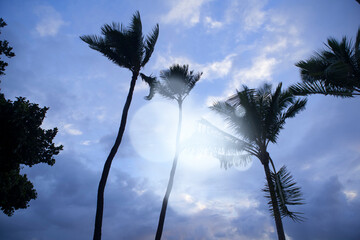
153	132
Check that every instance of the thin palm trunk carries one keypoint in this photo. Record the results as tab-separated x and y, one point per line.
277	216
171	180
107	165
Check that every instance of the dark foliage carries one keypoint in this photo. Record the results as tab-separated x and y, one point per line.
22	142
287	193
334	71
4	49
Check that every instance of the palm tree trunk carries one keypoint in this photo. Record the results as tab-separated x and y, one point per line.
171	180
107	165
277	216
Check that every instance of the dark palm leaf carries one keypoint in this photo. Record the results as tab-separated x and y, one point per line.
124	46
287	193
318	87
250	126
152	82
150	44
335	71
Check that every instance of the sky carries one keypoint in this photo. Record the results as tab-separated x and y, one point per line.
233	43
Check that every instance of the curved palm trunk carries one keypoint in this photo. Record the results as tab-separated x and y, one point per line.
171	180
277	216
107	165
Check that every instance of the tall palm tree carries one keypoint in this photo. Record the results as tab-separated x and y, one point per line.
176	84
127	48
335	71
256	117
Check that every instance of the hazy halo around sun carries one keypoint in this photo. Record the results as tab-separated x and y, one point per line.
152	133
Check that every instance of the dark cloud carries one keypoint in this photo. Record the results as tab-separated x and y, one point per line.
329	214
65	207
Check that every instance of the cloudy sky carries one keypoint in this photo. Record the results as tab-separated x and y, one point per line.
233	43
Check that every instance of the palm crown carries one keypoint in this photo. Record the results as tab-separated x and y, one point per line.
259	115
126	47
176	82
256	117
335	71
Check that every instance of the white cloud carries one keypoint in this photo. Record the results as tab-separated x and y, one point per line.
212	70
50	21
249	13
185	203
86	142
278	46
212	23
71	130
261	70
186	12
254	17
218	69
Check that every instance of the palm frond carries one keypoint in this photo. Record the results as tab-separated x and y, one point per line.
298	106
272	110
229	161
124	46
318	87
152	82
211	140
251	101
101	45
287	193
233	115
335	71
177	82
150	44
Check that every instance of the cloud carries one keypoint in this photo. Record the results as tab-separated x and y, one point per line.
254	17
211	70
329	214
50	21
209	22
68	128
261	70
250	14
186	12
218	69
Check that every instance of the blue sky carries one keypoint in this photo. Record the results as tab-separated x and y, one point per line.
233	43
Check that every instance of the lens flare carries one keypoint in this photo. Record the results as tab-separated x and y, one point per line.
153	132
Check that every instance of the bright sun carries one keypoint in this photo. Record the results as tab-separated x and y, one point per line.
153	131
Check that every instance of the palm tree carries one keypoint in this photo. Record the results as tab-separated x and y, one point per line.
176	84
256	117
127	48
335	71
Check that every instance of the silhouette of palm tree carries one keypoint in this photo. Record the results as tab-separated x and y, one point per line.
176	84
256	117
335	71
127	48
